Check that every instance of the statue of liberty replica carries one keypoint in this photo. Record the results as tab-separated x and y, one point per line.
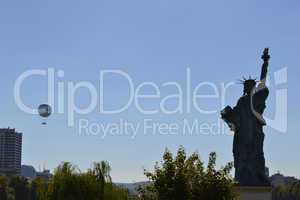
247	122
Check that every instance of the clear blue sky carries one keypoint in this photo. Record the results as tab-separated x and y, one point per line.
156	41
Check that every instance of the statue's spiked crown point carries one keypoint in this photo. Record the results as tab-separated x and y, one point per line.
247	80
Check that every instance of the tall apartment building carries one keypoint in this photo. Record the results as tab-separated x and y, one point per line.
10	152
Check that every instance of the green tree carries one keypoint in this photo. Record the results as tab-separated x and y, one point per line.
287	192
39	189
68	183
3	188
183	177
21	188
101	171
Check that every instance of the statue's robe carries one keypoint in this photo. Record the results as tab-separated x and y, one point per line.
249	161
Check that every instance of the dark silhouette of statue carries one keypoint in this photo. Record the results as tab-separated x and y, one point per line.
246	121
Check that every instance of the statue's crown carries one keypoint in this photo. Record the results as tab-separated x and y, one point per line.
248	81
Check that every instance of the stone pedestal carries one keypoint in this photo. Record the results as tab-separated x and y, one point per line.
254	193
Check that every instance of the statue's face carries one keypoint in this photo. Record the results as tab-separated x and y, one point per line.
248	86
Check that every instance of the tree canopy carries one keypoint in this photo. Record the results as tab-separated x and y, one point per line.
68	183
186	177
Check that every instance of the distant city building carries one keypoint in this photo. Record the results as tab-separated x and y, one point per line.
28	171
44	175
10	152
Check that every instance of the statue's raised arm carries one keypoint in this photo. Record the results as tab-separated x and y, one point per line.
264	68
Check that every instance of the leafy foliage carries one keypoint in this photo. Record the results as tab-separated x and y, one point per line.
288	192
183	177
68	183
20	187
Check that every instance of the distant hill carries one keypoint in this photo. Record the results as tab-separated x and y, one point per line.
132	187
281	180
